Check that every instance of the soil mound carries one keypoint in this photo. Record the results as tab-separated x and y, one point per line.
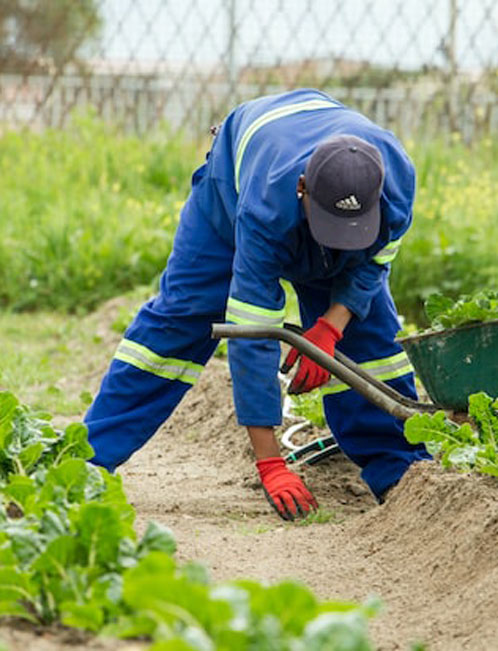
436	535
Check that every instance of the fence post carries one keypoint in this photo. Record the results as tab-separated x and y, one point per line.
231	53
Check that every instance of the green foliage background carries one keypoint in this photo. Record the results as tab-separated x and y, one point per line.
86	213
89	213
451	247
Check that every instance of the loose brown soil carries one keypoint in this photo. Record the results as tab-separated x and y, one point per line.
430	552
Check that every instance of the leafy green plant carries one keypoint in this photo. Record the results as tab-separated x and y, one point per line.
309	406
461	446
170	604
69	553
66	529
444	312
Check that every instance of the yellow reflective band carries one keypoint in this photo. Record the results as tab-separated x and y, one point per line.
384	369
249	314
388	253
283	111
166	367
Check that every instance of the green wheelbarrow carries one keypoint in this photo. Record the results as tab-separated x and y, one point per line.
451	365
454	363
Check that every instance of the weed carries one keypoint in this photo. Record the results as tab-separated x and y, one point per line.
321	516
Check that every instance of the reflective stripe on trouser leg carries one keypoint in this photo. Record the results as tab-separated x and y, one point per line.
166	346
132	404
135	354
371	438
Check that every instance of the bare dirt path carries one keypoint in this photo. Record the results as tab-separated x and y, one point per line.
430	552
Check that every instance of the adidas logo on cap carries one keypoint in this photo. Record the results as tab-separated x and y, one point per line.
348	203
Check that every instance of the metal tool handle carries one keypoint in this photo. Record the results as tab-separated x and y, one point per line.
382	386
393	402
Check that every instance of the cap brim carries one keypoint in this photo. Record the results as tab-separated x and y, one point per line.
345	233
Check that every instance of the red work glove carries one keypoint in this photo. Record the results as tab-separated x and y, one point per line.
309	374
284	490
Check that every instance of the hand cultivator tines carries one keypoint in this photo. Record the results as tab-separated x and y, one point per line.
378	393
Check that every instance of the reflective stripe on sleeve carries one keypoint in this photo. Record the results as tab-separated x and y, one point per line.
166	367
384	369
388	253
249	314
275	114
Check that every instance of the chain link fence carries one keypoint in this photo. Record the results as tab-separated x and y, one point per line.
420	67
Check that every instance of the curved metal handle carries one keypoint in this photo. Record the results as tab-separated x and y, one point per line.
382	386
392	402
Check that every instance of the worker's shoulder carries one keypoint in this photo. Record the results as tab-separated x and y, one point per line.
289	97
260	111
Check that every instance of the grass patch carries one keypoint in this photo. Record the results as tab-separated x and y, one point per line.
257	529
87	213
54	361
320	516
38	353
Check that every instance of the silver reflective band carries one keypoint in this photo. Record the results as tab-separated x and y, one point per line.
254	318
388	253
147	360
249	314
275	114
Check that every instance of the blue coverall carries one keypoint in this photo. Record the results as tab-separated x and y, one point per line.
241	230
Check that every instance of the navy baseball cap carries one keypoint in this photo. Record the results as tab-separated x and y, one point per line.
344	178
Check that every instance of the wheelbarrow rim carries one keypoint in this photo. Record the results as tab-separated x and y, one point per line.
435	333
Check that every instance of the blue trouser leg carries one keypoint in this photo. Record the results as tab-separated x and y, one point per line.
166	345
370	437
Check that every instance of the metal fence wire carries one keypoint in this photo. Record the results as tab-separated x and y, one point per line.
420	67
